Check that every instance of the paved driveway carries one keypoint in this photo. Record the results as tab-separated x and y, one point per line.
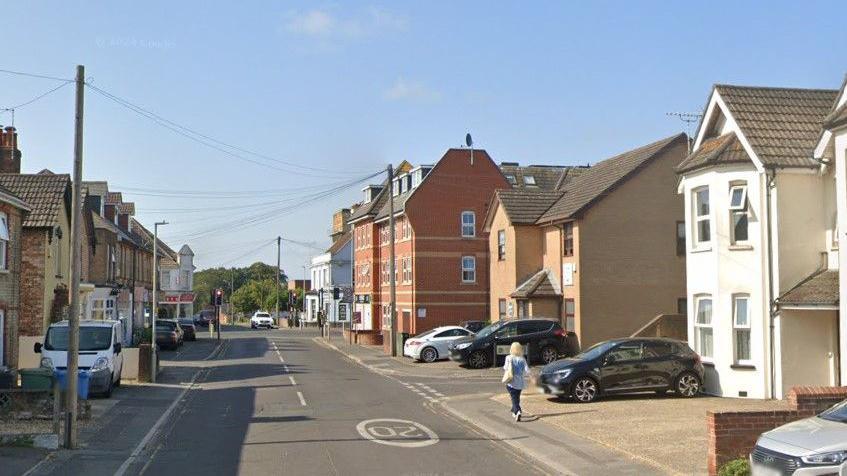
667	432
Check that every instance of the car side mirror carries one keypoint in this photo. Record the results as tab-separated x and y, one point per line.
117	347
37	347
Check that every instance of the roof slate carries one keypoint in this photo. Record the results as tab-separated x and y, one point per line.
546	177
601	178
45	193
525	207
836	118
782	125
818	289
540	284
340	242
725	149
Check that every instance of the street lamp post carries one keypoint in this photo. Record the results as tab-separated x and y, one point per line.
155	299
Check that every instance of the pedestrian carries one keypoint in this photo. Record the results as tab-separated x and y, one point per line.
516	370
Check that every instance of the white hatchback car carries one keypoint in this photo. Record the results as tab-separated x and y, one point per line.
810	447
261	319
432	345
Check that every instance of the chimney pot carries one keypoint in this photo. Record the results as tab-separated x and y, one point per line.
10	155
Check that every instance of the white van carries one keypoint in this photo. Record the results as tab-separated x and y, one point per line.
99	352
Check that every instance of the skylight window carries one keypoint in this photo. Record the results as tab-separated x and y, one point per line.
512	180
529	180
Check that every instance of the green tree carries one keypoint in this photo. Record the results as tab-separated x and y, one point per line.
231	278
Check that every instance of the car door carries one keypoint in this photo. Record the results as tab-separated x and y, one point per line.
504	337
658	364
443	339
532	335
621	368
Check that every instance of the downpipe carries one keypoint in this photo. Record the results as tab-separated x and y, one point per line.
770	178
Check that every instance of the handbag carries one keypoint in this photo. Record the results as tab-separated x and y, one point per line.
508	376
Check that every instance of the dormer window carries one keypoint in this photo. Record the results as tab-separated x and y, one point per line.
511	178
529	180
395	188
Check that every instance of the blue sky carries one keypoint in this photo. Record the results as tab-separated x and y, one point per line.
347	87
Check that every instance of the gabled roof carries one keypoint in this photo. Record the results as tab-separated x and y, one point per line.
540	284
101	223
144	237
546	177
525	207
47	194
340	242
603	177
782	125
819	289
725	149
836	118
373	207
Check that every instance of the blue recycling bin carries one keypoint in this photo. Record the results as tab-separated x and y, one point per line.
83	378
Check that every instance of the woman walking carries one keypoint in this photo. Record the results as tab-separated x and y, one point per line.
516	370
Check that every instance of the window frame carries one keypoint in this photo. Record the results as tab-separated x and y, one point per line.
741	328
472	225
732	189
529	180
740	210
697	218
570	317
699	327
512	179
4	244
681	245
502	308
471	269
567	237
501	245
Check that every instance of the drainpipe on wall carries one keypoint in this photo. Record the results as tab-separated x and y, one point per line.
770	177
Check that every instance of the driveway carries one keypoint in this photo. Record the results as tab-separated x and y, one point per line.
667	432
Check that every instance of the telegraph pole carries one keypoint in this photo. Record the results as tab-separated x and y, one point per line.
155	312
392	281
278	248
76	265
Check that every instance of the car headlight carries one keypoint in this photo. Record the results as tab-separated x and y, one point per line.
47	362
834	458
100	364
563	373
463	345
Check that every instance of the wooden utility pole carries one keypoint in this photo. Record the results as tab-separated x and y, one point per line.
393	287
278	248
76	248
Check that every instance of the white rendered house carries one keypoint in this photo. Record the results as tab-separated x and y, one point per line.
333	269
761	251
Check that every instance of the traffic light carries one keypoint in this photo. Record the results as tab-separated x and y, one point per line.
336	294
219	297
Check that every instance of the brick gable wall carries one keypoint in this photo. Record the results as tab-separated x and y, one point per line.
33	264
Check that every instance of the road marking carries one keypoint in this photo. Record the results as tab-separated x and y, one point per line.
285	368
302	400
394	432
292	380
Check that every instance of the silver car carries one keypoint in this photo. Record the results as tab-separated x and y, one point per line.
432	345
814	446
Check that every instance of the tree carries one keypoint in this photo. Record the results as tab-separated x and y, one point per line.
258	295
231	278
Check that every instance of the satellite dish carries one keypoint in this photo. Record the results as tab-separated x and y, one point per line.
468	140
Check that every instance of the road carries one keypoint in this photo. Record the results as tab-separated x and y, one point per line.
277	402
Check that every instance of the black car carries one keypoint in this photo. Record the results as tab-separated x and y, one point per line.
625	366
169	335
474	326
188	328
543	339
204	318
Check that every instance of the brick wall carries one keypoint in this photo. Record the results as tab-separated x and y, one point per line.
32	282
733	434
10	287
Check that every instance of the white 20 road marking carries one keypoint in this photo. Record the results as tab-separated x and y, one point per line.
394	432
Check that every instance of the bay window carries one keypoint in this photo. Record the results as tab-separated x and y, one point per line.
738	215
702	218
703	331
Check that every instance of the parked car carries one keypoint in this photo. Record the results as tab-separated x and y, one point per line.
816	445
99	352
543	339
261	319
188	329
204	318
474	326
625	366
432	345
168	334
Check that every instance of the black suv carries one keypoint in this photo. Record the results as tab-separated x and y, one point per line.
543	339
626	366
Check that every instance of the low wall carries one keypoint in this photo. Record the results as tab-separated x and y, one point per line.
27	358
129	371
733	434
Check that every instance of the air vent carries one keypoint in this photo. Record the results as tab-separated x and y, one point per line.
742	394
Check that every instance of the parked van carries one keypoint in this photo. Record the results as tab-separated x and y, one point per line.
99	352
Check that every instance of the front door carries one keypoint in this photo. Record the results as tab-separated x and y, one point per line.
621	370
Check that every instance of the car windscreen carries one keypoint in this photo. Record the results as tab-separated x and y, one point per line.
263	314
487	330
427	333
165	325
595	351
90	338
186	322
836	413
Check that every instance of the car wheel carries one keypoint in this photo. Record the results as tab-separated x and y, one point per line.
585	390
429	355
549	354
687	385
478	360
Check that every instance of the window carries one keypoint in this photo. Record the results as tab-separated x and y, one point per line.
703	340
4	242
533	326
501	304
396	269
58	261
682	306
509	330
680	238
654	350
384	273
738	215
523	308
741	327
567	233
468	224
468	269
511	178
501	245
570	314
625	352
529	180
703	231
407	270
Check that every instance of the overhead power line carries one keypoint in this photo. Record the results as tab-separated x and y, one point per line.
33	75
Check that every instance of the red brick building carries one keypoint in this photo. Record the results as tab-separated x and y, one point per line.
441	251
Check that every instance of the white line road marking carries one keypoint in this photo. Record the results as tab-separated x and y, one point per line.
285	368
292	380
438	394
302	400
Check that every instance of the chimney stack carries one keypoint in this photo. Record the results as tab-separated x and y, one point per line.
10	155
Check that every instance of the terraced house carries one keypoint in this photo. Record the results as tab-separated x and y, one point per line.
599	250
763	240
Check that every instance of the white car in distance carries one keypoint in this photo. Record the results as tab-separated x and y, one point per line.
432	345
261	319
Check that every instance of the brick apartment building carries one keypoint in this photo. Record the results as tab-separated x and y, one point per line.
441	251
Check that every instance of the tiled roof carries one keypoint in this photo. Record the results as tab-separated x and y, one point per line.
45	193
599	180
144	238
523	206
569	175
127	208
782	125
95	188
540	284
375	205
103	224
818	289
725	149
399	204
114	198
544	177
340	242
